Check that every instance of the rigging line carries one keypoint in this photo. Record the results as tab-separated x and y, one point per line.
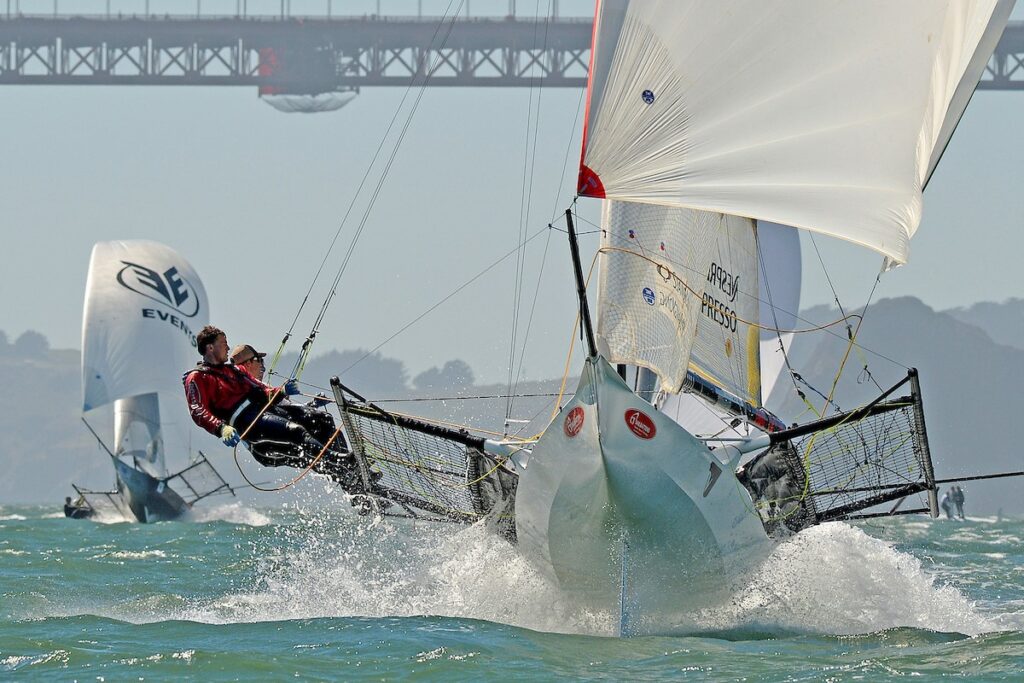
304	353
828	278
840	305
514	389
446	298
484	397
386	170
352	204
556	212
526	200
775	318
853	336
427	399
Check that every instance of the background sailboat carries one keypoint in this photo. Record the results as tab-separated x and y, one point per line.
144	305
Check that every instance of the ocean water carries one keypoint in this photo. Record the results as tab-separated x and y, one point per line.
309	592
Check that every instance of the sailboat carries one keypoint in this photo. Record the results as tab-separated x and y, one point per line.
664	481
144	304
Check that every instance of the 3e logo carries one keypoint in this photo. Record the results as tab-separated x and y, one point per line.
169	287
574	422
640	424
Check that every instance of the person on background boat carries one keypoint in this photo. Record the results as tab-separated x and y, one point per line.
958	501
947	504
228	402
77	510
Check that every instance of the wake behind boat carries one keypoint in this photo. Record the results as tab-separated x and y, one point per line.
143	305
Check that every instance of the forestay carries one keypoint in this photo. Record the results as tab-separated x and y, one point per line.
827	116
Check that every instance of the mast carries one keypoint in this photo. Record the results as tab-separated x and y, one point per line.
581	288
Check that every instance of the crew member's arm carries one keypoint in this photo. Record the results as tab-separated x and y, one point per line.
197	407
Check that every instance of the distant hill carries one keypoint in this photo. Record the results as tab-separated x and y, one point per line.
1004	322
970	383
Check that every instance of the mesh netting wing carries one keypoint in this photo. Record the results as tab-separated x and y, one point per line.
424	470
840	466
197	481
103	503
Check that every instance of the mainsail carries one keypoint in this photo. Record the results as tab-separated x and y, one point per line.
826	116
779	277
679	293
137	433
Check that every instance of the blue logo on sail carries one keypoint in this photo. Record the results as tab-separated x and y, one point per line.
648	96
648	295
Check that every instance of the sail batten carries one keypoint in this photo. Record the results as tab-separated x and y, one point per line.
826	116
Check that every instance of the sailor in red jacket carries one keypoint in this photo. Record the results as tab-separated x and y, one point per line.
227	402
310	415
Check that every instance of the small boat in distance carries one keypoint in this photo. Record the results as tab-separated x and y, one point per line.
144	305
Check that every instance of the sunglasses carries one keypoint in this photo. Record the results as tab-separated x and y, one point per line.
258	359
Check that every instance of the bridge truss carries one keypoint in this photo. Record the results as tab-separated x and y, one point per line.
317	54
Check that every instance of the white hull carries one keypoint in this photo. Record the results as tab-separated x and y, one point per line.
627	524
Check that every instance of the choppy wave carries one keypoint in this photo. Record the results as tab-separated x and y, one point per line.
308	563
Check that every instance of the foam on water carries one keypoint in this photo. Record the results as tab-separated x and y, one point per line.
234	513
829	579
836	579
383	569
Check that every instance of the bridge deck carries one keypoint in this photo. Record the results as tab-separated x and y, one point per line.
318	54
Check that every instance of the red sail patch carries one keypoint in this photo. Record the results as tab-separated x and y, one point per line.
640	424
574	422
589	184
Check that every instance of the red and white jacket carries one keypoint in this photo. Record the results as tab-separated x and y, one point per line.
215	392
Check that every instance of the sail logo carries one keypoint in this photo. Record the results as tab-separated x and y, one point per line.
648	296
574	421
167	288
640	424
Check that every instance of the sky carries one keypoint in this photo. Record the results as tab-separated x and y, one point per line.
253	198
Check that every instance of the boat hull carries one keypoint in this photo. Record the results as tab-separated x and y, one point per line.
631	514
149	499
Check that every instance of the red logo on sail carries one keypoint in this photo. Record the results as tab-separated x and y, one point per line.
574	422
640	424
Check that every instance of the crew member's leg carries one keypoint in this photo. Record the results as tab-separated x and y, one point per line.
277	441
319	423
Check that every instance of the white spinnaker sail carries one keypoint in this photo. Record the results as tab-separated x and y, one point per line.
678	290
144	305
826	116
137	433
